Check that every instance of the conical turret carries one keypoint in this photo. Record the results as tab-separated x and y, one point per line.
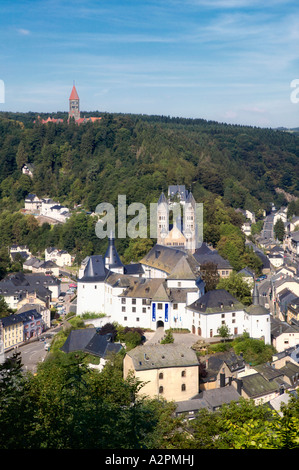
112	259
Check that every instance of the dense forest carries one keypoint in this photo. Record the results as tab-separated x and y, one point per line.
225	166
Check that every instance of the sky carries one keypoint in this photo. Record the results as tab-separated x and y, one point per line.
229	61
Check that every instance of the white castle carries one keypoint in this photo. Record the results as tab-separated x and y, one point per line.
165	288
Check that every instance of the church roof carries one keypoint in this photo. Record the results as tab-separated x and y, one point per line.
74	94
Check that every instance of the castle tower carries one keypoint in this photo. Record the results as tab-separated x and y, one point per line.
74	110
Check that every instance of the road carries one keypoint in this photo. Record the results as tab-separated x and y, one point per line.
32	353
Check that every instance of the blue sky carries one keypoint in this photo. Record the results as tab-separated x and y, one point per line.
227	60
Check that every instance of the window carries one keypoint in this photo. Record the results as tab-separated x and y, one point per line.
95	287
143	301
183	373
133	309
175	306
143	309
123	300
125	318
161	375
123	309
183	387
160	306
134	301
137	319
161	389
222	315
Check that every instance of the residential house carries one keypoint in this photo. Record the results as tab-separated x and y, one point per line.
293	312
11	331
211	400
167	370
40	308
91	342
60	257
28	169
284	335
220	369
248	276
32	203
254	386
18	287
204	254
20	327
291	242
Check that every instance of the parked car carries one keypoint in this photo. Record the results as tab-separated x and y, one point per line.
261	278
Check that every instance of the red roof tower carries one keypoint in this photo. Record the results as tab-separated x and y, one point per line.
74	111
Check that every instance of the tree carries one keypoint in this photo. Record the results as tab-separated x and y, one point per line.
168	338
237	287
279	230
223	331
209	274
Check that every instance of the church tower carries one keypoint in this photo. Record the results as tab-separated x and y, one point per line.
74	110
162	219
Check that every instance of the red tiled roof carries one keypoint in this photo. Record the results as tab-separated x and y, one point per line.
74	94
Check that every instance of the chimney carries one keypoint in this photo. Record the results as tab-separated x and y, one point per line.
239	386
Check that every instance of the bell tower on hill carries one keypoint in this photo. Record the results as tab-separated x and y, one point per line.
74	110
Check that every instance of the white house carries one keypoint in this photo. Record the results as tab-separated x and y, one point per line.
60	257
32	203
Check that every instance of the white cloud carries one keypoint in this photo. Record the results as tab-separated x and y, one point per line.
23	32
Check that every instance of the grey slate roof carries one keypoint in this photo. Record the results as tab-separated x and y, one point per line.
157	356
111	255
95	270
89	341
213	256
215	301
215	362
22	317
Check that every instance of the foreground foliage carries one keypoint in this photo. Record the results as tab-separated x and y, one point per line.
66	405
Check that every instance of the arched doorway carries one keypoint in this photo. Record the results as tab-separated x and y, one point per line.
160	324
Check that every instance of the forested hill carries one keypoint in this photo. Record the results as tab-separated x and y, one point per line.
140	155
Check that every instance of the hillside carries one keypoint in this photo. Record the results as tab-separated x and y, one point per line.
138	156
141	155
